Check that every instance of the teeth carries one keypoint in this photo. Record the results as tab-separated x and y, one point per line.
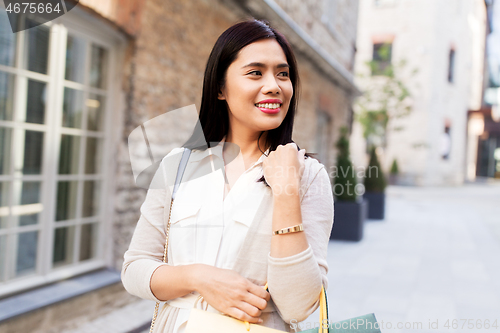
268	105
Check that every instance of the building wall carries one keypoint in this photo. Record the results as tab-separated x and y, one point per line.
424	32
331	23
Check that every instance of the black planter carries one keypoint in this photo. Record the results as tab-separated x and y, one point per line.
349	219
376	205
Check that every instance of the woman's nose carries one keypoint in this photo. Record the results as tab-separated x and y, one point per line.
271	85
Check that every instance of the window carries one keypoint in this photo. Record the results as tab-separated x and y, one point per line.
451	65
446	143
54	93
382	56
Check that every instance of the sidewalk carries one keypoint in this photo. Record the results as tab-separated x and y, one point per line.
435	257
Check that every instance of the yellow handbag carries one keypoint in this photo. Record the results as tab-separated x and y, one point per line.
209	322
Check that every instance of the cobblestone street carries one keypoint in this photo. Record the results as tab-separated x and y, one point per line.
435	257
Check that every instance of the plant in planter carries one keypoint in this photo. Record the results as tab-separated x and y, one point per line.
394	173
375	188
350	213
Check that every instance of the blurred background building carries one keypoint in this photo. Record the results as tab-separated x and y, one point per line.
72	90
437	50
484	122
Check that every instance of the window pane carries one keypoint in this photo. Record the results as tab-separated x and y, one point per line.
88	241
35	106
4	205
64	239
75	59
27	205
5	158
66	200
36	47
72	108
90	198
27	243
98	67
3	253
6	94
69	154
95	112
33	146
93	156
7	40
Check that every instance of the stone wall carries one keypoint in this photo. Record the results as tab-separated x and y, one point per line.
331	23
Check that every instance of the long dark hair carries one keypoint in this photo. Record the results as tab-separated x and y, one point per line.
214	118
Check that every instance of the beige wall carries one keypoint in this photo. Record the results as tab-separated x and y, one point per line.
424	31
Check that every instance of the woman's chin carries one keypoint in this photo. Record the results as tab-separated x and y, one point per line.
268	127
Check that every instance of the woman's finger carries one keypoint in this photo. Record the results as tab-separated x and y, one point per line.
242	315
258	291
259	302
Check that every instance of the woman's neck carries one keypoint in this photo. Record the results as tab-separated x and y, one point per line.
248	144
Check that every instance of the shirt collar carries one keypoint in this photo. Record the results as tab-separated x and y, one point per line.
198	154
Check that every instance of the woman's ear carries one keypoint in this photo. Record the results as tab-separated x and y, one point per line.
221	95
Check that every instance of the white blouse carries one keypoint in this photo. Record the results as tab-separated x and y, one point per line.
208	228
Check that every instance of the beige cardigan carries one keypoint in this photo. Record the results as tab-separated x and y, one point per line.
294	282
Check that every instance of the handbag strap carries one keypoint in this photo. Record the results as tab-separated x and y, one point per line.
178	178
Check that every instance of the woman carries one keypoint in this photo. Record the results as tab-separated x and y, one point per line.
221	240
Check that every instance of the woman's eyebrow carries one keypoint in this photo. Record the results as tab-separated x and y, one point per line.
259	64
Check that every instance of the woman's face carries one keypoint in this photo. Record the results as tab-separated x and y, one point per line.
257	87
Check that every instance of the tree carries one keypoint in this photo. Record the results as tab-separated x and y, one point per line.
344	179
374	177
386	97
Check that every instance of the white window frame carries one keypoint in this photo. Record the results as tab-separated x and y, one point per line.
95	30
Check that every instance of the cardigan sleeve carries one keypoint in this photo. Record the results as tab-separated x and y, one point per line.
295	282
145	253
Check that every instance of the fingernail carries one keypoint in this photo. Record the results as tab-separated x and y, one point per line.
260	321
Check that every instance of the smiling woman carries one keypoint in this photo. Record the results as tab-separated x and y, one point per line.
265	216
258	93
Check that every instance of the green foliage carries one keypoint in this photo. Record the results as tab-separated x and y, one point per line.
394	167
381	65
385	98
344	179
374	177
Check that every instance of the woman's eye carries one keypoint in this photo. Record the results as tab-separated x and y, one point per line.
255	72
283	74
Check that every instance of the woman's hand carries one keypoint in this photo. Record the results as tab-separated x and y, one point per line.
283	168
231	293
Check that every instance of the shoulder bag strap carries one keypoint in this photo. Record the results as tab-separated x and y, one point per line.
178	178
